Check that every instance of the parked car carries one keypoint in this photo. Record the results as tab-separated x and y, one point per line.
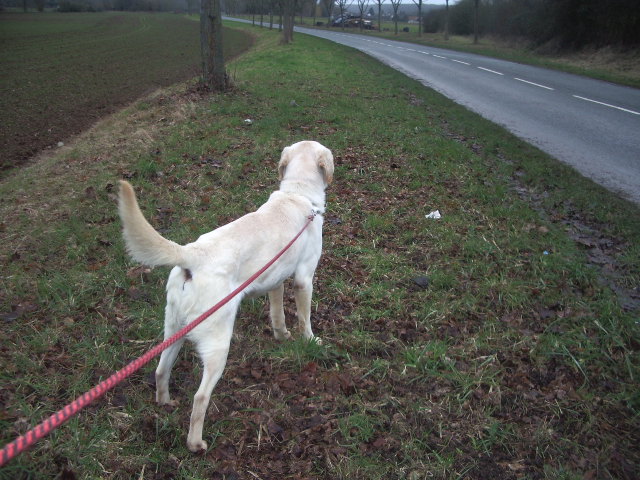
352	21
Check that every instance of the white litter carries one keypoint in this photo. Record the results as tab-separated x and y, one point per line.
248	121
434	215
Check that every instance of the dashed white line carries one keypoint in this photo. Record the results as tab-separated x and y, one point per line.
607	105
532	83
491	71
633	112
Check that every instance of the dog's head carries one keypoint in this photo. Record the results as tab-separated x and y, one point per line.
306	160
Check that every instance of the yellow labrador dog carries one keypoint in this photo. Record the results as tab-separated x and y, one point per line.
206	270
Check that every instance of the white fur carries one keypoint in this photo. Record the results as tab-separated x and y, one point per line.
208	269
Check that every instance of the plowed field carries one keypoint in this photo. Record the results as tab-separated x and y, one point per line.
61	72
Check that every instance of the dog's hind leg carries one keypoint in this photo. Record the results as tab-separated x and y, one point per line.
163	372
167	359
213	346
213	366
276	312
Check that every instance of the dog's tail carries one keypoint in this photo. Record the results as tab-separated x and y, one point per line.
143	242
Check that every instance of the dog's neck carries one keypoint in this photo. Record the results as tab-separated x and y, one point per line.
306	189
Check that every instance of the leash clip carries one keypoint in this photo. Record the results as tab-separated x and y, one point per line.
314	212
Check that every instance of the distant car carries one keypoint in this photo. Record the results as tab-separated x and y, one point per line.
367	24
339	20
349	20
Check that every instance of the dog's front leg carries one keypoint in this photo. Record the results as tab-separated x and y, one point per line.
303	289
276	312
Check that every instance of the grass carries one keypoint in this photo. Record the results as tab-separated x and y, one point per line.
609	64
509	363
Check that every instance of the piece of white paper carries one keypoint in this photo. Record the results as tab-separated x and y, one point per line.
434	215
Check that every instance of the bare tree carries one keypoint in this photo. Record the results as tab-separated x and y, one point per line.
261	13
395	4
446	21
328	5
273	5
379	3
362	6
305	8
288	13
214	75
419	4
342	6
475	21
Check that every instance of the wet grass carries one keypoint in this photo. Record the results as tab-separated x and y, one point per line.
513	359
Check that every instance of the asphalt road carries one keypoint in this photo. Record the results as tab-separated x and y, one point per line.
591	125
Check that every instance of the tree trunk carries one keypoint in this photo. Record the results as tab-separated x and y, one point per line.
214	75
446	22
288	12
475	22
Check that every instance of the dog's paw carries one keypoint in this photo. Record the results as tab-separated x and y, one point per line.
286	335
197	446
167	402
315	339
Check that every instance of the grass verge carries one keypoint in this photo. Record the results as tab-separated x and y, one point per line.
492	343
608	64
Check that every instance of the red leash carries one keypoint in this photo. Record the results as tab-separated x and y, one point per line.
23	442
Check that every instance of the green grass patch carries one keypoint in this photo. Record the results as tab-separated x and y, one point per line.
516	358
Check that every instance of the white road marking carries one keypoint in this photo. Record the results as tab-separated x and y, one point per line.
491	71
633	112
531	83
607	105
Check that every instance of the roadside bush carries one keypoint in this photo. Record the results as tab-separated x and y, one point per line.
569	24
67	6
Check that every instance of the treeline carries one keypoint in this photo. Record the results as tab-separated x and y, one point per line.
125	5
190	6
560	24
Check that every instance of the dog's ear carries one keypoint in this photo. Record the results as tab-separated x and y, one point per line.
325	163
284	161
